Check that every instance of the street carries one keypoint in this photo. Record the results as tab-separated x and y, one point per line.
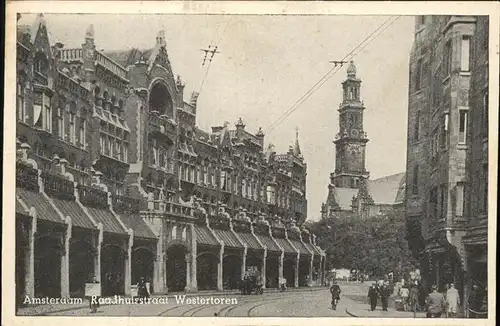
314	302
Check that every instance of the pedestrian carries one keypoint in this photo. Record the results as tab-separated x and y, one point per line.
435	303
142	290
413	298
404	293
335	292
452	301
385	292
373	296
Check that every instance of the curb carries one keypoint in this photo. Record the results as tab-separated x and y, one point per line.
350	313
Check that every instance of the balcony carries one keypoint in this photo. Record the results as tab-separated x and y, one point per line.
163	125
26	177
93	197
123	204
111	66
58	186
71	55
170	208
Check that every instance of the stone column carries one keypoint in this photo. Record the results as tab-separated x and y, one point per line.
159	282
128	261
263	268
244	261
194	254
220	268
280	265
188	273
30	259
97	257
65	260
311	267
296	269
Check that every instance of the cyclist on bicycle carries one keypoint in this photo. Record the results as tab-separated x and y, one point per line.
335	291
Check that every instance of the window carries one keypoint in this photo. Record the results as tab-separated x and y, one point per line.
447	59
485	113
459	210
125	153
244	188
72	133
60	122
223	184
42	112
271	195
415	180
485	188
40	63
21	105
434	143
416	134
117	151
465	54
443	137
462	127
418	75
181	171
442	201
205	175
433	201
102	143
83	132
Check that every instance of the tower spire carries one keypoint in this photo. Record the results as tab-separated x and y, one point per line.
296	150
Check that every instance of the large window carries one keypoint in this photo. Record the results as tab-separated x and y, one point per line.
416	176
443	137
271	199
243	188
72	132
21	104
223	184
462	127
465	54
447	59
60	122
42	112
83	132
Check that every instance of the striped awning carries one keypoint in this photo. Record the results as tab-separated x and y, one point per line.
286	246
136	223
228	237
204	236
250	240
269	243
300	247
109	222
75	212
43	208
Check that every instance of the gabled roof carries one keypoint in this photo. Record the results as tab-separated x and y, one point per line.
386	190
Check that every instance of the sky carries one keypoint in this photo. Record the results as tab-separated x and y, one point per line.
266	63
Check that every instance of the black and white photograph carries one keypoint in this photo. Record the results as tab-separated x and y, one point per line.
198	163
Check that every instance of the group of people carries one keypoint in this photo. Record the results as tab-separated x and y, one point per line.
439	304
382	290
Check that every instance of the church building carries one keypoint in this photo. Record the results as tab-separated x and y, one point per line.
350	189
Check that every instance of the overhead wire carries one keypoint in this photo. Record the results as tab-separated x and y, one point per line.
386	24
214	49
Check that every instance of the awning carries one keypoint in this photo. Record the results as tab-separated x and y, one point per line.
250	241
313	249
269	243
109	222
20	209
204	236
286	246
73	210
228	237
43	208
300	247
136	223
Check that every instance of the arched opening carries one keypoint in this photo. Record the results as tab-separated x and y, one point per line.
81	267
160	100
48	252
289	271
272	272
206	271
231	272
112	270
303	270
143	261
176	268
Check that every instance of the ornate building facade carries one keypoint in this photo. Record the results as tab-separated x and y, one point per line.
446	195
350	190
116	181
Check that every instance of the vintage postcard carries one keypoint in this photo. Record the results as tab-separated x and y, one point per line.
250	163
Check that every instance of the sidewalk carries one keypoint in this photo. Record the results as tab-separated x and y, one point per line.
43	309
365	312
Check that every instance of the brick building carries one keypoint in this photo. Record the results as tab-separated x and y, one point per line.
444	136
350	190
116	181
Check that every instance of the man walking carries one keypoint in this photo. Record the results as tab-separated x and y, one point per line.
385	292
435	303
452	301
373	296
335	291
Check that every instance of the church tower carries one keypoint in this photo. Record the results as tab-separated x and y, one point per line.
350	142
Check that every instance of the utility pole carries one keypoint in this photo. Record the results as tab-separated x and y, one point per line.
339	63
209	53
